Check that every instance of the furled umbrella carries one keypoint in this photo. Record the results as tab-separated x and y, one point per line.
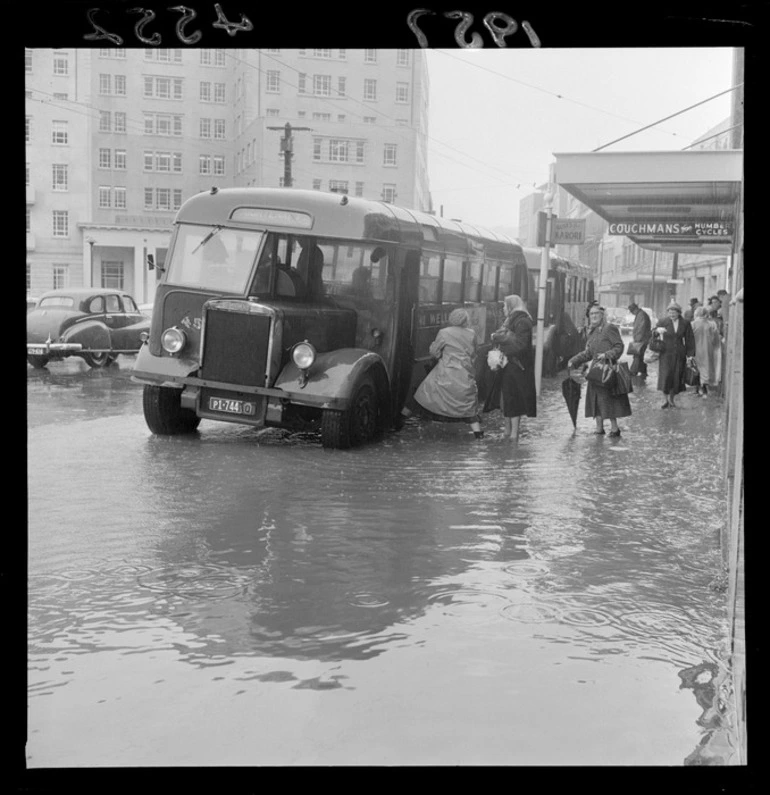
570	388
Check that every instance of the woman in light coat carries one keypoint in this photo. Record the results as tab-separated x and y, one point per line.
708	350
449	392
604	344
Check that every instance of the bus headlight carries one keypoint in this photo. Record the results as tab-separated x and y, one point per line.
303	354
173	340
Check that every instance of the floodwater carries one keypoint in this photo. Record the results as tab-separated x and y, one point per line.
247	598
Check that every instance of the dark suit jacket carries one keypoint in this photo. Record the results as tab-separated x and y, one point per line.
682	342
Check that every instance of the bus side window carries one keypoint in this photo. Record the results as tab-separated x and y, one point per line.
452	282
472	287
430	277
489	281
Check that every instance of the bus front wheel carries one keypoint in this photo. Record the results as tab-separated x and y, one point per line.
357	425
163	411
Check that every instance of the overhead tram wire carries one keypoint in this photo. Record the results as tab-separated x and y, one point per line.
545	90
678	113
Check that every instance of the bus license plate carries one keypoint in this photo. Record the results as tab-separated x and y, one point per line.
232	406
39	351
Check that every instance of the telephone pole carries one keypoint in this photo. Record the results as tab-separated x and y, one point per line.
287	147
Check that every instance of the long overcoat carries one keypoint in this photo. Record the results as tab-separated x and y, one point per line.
514	390
678	345
600	402
449	389
708	351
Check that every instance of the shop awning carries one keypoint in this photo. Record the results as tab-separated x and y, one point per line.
683	201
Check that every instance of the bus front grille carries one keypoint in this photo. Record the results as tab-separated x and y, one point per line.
235	347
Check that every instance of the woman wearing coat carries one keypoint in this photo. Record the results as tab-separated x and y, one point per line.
449	392
679	343
708	350
604	344
514	391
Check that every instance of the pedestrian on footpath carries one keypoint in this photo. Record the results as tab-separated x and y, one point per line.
514	392
708	351
449	392
641	333
689	313
604	345
678	344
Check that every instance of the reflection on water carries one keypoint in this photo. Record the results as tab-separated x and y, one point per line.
266	560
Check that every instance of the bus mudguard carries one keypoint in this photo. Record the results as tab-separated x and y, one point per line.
333	375
161	370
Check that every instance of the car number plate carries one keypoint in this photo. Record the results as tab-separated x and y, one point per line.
38	351
232	406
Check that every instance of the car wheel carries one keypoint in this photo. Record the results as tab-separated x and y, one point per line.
357	425
38	361
98	360
163	411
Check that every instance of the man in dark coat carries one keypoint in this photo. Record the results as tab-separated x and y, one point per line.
642	331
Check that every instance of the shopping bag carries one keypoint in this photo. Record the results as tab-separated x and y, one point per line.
623	383
601	374
496	359
634	348
691	373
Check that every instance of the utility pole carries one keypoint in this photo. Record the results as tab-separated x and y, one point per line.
287	149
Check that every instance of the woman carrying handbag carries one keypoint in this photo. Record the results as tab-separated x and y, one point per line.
675	334
603	346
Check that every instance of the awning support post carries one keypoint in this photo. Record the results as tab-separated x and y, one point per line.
544	260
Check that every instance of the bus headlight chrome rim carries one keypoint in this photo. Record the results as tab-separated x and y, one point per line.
173	340
303	354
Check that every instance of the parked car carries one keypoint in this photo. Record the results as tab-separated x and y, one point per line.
96	324
31	303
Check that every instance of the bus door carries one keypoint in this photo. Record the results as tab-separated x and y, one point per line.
406	301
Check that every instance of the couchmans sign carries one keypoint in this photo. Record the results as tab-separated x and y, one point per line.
652	228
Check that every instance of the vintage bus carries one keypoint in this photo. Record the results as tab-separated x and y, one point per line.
302	309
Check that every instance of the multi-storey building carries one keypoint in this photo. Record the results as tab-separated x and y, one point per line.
117	139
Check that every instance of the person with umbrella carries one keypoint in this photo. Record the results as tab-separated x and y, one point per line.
604	344
570	388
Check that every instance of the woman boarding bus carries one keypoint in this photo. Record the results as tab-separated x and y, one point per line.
296	309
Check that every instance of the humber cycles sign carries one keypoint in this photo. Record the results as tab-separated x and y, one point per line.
672	228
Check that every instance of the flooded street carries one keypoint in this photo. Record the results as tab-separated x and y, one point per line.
247	598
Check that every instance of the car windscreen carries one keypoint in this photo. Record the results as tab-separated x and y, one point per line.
213	258
56	300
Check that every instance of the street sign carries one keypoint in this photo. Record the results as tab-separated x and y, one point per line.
568	231
672	228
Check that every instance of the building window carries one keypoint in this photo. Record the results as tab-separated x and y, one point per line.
273	50
176	162
272	112
27	60
26	173
29	276
219	129
389	193
316	184
205	92
204	164
29	220
205	57
322	85
163	161
342	54
389	155
219	93
370	90
60	64
402	92
219	165
205	128
163	198
273	83
120	198
120	121
370	119
359	188
105	158
105	194
370	56
105	84
317	148
61	276
120	160
105	121
301	83
322	53
112	275
178	85
148	199
341	86
58	95
60	133
341	117
359	151
149	160
338	150
402	57
338	186
120	85
177	198
60	177
322	117
301	114
219	58
61	223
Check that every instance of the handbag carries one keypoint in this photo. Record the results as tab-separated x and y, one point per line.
623	382
601	374
634	348
656	344
691	373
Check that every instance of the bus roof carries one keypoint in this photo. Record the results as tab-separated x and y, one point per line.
571	266
334	215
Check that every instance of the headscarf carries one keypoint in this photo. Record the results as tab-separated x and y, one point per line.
701	311
459	317
514	303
